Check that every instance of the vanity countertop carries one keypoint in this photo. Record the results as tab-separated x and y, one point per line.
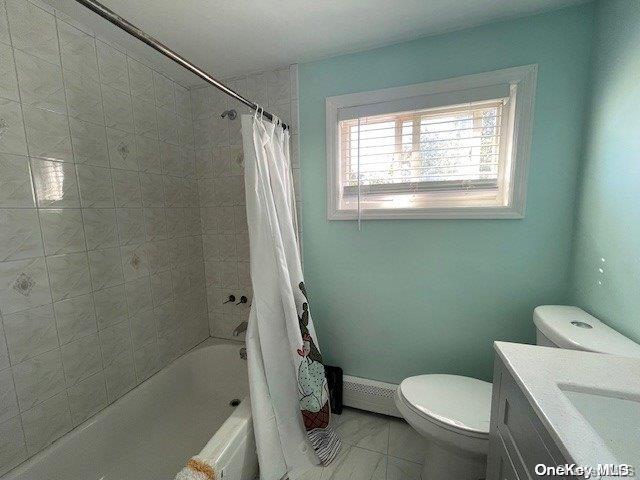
588	402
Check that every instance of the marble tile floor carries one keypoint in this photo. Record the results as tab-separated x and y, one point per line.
375	447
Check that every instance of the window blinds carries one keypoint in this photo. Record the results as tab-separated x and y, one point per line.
444	148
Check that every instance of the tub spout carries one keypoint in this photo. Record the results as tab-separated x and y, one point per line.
240	328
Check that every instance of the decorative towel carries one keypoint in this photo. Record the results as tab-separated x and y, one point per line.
197	468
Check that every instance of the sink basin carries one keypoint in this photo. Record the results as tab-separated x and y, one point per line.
615	418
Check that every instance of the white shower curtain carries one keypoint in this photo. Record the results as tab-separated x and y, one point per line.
289	394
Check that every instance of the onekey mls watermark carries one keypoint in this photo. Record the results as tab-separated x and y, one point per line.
603	470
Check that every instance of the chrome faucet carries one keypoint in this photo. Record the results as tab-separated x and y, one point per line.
240	328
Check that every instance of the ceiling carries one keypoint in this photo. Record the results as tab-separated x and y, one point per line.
229	38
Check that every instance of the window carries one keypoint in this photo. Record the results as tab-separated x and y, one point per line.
455	148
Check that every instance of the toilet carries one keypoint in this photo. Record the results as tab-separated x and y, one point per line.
453	412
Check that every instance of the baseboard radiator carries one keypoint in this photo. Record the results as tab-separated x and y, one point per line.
369	395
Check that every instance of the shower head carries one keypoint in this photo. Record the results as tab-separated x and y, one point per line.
232	114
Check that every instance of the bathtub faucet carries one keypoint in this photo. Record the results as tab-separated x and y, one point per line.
240	328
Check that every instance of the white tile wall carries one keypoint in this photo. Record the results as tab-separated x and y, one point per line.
102	280
219	170
374	447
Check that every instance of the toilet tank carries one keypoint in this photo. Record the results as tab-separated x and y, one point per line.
572	328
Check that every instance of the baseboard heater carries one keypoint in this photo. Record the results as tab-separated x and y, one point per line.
369	395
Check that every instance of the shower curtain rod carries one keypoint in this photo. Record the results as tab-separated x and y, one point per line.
131	29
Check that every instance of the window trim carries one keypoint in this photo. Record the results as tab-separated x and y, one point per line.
523	78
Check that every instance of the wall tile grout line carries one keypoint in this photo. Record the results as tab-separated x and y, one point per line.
32	180
64	86
115	200
95	313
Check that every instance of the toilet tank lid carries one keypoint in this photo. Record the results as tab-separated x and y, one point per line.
568	327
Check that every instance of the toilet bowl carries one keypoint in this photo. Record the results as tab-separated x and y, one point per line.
453	413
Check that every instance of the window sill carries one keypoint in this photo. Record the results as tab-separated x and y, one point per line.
444	213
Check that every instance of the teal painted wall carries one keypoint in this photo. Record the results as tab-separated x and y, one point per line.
608	221
404	297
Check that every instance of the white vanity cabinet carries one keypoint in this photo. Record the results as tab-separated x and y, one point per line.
518	441
557	407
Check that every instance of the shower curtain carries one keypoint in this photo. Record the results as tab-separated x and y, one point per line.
288	388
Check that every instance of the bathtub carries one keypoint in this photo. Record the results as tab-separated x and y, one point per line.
149	433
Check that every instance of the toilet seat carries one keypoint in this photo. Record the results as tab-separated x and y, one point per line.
454	402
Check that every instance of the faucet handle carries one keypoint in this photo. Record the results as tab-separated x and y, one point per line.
243	299
230	298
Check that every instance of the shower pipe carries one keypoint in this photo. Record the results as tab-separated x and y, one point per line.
131	29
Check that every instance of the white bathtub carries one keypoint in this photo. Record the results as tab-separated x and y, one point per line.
150	432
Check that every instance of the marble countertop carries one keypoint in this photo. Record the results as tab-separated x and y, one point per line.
602	386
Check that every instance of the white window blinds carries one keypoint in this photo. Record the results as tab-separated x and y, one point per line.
452	148
405	159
